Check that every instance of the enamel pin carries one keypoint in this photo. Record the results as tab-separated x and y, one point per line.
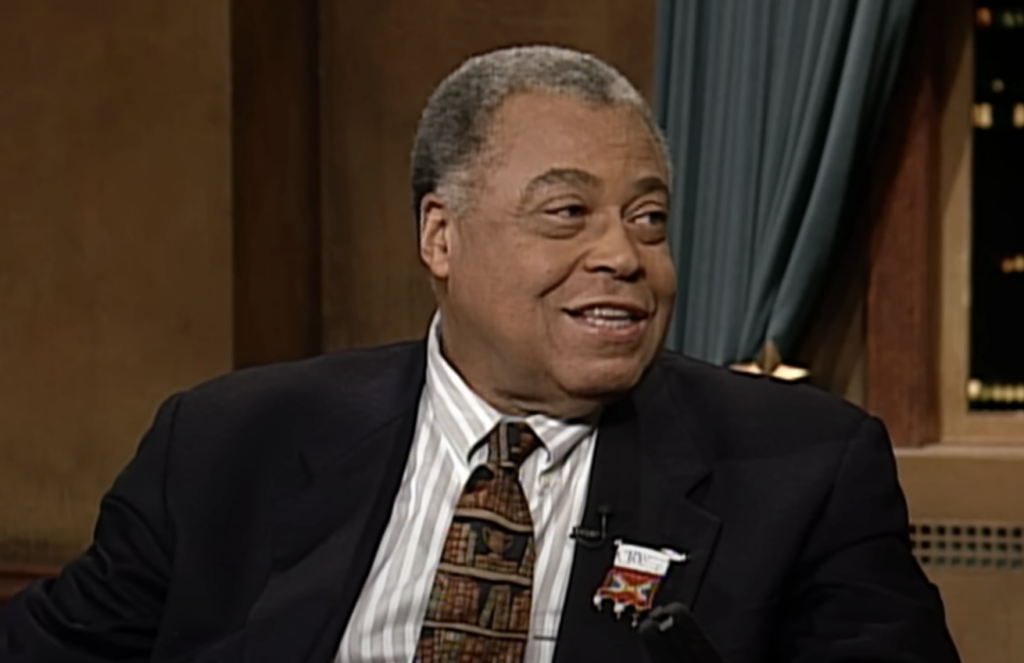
634	578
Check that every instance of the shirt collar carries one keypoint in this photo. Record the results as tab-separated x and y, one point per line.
465	419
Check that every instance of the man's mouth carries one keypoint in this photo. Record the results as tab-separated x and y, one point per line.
609	316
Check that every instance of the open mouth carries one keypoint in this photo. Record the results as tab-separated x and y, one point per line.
609	317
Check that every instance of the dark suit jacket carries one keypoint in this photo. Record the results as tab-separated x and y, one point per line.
247	522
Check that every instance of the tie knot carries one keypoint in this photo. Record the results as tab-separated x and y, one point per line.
510	443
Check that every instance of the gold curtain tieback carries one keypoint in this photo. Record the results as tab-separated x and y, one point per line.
769	362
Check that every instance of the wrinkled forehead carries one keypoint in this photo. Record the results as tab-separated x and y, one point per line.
537	133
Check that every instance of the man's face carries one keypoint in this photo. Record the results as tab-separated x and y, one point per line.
555	283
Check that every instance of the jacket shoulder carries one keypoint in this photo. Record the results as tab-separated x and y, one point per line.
753	412
280	405
331	377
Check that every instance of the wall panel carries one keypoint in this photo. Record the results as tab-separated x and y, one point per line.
115	258
982	582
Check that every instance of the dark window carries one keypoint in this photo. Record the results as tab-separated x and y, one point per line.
997	224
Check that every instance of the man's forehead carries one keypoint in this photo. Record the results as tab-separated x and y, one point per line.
579	177
573	176
564	140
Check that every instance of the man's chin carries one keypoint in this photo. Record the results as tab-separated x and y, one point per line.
604	381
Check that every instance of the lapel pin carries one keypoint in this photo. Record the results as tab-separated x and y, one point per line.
634	578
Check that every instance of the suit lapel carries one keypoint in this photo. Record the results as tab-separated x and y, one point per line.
647	466
675	471
671	520
586	634
326	536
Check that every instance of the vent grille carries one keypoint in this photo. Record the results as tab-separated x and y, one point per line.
976	545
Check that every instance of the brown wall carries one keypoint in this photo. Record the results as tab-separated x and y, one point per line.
115	264
129	130
381	59
117	131
275	146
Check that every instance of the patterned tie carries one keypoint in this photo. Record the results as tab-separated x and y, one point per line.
479	606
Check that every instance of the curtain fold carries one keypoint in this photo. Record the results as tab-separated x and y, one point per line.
771	109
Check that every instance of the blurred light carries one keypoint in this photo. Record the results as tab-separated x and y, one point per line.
979	392
983	116
1013	264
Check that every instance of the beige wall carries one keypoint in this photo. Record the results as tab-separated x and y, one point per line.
115	261
974	486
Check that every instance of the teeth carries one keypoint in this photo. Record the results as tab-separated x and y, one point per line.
607	317
608	313
610	323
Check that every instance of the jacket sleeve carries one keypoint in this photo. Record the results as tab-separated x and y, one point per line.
106	605
860	595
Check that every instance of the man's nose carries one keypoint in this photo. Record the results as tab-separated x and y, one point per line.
614	250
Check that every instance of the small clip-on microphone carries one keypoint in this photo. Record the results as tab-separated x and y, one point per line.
589	538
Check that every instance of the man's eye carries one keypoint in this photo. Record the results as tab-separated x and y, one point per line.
657	218
569	211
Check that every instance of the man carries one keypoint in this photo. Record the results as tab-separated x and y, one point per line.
418	501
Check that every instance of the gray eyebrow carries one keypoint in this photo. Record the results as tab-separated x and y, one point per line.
652	184
573	176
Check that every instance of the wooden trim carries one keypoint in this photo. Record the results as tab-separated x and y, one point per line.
901	309
14	578
276	171
972	451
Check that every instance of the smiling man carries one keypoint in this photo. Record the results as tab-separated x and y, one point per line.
462	498
552	268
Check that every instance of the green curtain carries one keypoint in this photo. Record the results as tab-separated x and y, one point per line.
770	108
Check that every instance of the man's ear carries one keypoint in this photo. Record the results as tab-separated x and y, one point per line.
435	228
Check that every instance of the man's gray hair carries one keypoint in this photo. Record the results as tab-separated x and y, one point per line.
454	126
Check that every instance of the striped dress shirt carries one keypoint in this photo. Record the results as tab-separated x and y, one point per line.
452	422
